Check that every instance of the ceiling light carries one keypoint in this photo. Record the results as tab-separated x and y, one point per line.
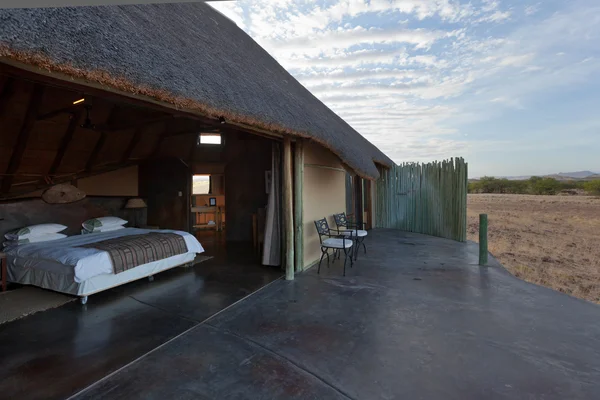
222	120
79	101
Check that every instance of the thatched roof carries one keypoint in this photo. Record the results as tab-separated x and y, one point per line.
187	55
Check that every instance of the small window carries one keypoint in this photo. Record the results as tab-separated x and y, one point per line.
209	138
201	184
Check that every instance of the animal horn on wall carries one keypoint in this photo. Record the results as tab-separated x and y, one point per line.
62	194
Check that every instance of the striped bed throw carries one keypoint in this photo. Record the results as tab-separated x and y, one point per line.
128	252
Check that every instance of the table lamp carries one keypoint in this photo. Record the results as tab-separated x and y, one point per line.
135	204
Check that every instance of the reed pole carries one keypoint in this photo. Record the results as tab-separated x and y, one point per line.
483	239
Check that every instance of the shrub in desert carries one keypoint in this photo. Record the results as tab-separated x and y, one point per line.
547	186
592	187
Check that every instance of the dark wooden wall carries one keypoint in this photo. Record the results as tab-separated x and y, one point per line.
166	186
25	212
43	138
248	157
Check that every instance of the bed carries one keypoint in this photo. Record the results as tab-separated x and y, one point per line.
78	265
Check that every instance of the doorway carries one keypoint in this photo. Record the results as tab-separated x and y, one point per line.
229	195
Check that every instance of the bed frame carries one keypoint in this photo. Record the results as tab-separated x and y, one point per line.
96	284
84	298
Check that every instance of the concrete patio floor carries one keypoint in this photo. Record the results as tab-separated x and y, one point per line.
56	353
416	318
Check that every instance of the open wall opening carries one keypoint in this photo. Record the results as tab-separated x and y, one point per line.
114	149
229	189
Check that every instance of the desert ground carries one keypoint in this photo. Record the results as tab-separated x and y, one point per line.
552	241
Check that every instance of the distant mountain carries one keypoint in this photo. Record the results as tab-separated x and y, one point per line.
515	178
561	176
578	174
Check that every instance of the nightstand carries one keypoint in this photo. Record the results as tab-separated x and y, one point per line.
3	270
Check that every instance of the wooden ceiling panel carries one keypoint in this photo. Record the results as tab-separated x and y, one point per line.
73	161
52	143
36	161
5	153
147	141
47	134
113	147
145	146
55	99
83	140
13	113
176	146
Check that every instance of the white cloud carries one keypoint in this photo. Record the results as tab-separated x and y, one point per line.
533	9
410	85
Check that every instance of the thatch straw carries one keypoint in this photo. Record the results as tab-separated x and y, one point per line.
187	55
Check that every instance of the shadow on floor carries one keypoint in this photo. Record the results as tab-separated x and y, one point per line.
416	318
56	353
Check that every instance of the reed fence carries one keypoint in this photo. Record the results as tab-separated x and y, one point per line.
426	198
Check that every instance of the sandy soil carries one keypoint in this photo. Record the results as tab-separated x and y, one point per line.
549	240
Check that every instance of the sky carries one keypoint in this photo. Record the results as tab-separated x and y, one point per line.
511	86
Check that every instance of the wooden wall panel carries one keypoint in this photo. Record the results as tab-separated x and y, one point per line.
47	149
247	157
166	186
20	213
11	117
176	146
36	161
115	145
147	141
46	134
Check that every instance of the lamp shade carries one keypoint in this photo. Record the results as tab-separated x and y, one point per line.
136	203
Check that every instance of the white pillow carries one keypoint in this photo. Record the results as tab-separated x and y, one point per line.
35	239
102	229
34	230
102	222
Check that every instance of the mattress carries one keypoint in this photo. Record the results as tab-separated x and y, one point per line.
87	262
62	266
60	278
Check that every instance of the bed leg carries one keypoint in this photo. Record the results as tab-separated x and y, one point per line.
83	300
151	278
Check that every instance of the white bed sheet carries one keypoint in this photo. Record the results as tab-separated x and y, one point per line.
87	263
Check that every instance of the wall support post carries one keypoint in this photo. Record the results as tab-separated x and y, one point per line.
288	209
358	200
483	239
299	204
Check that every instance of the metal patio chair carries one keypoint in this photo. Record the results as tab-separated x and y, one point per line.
337	243
349	228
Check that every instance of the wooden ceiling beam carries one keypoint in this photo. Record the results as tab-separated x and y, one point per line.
65	110
101	140
17	69
159	141
64	143
6	92
33	107
193	147
97	148
132	143
136	124
189	131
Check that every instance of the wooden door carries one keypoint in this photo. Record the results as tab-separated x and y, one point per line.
166	186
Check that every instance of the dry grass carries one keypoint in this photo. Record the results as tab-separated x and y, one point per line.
553	241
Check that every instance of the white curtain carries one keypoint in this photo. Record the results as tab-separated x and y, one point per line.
272	242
